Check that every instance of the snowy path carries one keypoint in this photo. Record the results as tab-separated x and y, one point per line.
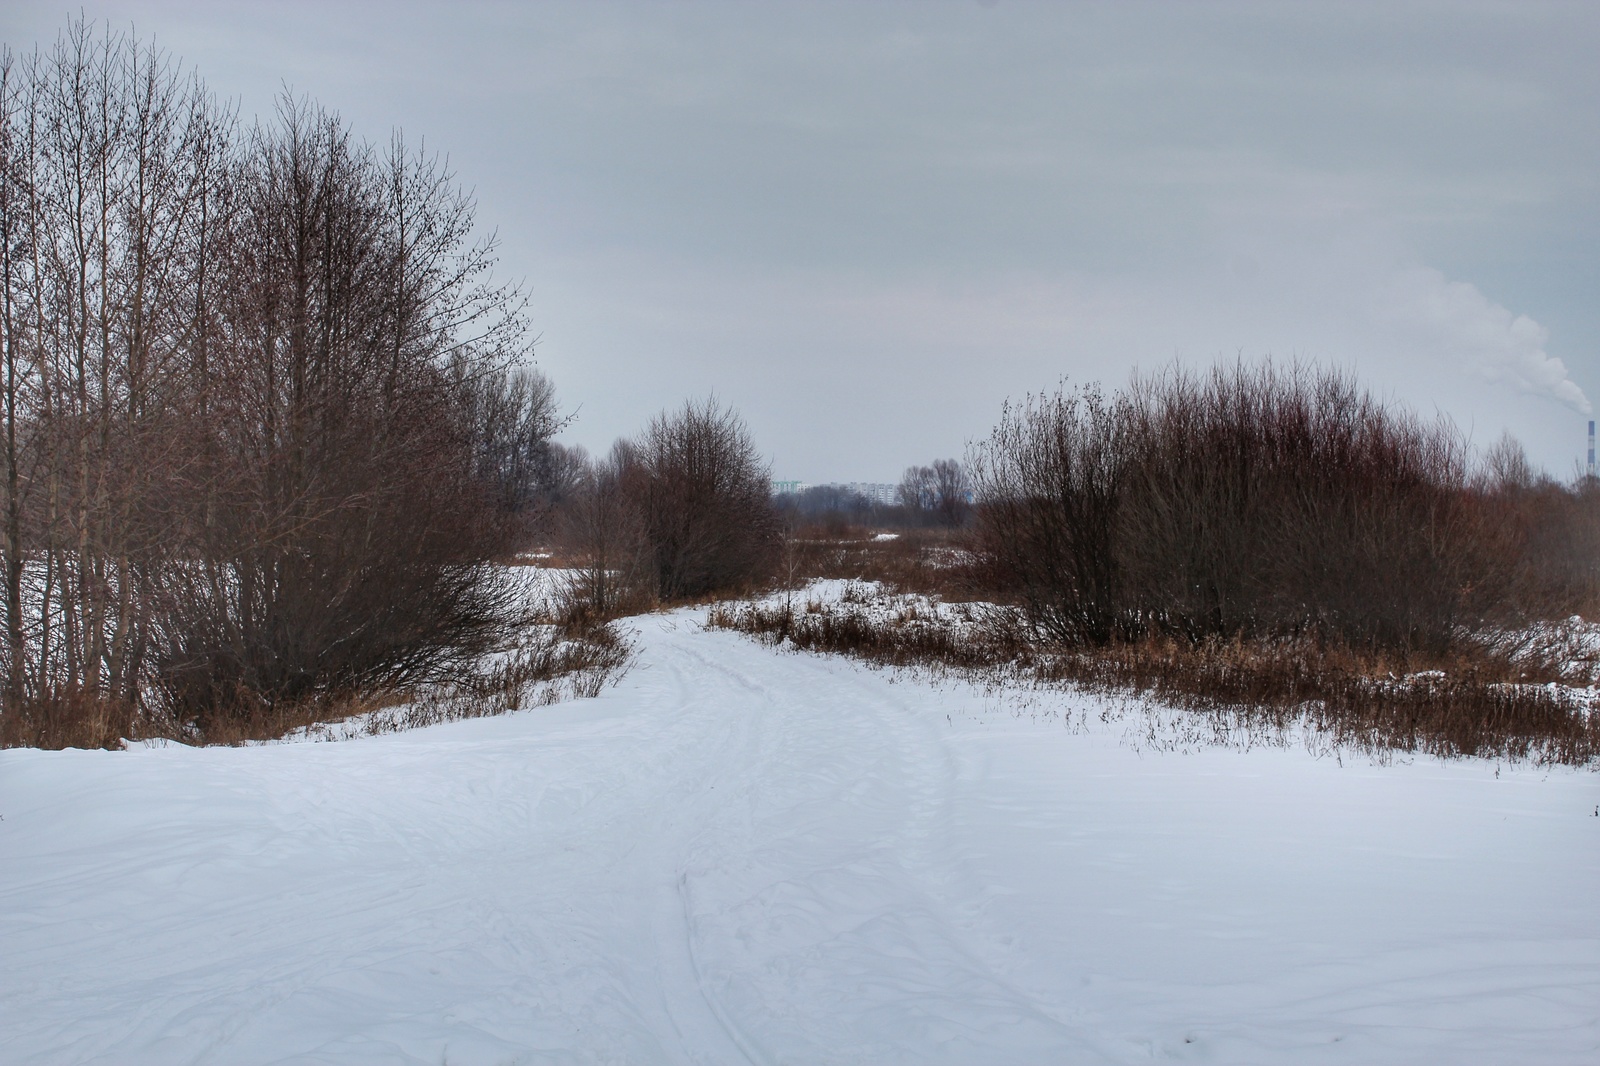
745	856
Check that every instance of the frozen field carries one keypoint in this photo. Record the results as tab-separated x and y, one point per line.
743	856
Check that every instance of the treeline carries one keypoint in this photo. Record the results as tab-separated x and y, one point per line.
264	427
1259	502
938	496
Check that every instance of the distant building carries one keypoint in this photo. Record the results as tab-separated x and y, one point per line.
879	492
780	488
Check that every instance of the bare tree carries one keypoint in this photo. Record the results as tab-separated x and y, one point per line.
513	414
106	176
951	493
565	469
350	512
918	491
19	386
263	424
602	526
705	500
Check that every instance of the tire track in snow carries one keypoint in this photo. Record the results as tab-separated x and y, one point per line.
863	891
735	857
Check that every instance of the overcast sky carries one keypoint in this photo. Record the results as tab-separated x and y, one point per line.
865	225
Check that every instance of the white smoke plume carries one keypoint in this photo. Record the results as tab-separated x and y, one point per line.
1462	326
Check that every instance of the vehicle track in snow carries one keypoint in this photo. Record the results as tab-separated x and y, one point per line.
827	856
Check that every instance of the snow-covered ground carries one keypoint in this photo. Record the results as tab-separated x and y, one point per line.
741	855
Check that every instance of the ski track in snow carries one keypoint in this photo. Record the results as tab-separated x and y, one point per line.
747	856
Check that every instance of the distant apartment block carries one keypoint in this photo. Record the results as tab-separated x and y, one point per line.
879	492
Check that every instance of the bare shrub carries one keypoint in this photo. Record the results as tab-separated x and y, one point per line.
1050	482
548	657
703	502
1268	501
70	719
550	663
1262	550
1551	536
1249	501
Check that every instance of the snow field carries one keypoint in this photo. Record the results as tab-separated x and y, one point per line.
741	855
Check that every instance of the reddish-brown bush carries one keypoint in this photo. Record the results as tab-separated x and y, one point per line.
1250	501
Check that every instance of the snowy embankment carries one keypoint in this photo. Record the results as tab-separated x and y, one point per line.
740	855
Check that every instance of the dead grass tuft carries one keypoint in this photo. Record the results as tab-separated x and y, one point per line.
553	663
69	718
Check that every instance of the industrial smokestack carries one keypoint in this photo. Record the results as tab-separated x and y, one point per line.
1591	447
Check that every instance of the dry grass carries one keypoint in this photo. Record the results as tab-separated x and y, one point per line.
552	665
68	719
934	562
1481	704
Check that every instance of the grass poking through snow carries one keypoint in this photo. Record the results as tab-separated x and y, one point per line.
1485	703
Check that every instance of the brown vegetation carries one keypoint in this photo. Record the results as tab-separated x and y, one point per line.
262	428
1249	502
1478	704
935	561
1262	547
681	513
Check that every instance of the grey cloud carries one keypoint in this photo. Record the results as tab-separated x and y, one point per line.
897	213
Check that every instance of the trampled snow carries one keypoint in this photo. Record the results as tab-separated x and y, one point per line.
743	855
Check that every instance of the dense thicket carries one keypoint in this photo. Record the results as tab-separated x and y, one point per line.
260	436
705	501
681	511
1247	502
